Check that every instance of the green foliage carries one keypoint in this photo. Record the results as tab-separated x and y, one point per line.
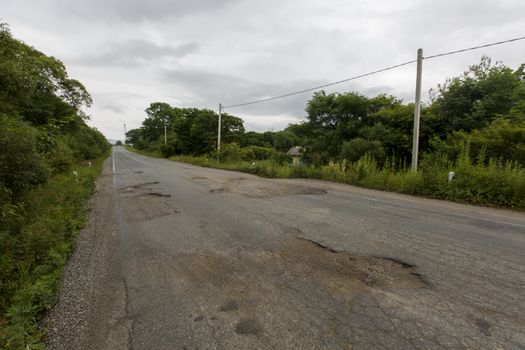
259	153
22	167
356	148
502	139
36	240
230	152
479	96
43	136
188	130
36	87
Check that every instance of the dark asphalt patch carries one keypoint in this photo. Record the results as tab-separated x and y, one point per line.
483	326
199	178
158	194
141	202
217	190
230	306
248	326
138	186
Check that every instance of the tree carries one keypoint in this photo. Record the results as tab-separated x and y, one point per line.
476	98
354	149
36	87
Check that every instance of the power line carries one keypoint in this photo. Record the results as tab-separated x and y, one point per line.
371	73
473	48
321	86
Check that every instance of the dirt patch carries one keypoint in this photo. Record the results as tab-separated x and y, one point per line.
199	178
217	190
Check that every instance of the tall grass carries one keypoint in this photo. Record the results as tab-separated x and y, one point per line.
36	238
484	182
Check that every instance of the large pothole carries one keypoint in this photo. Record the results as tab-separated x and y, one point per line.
142	202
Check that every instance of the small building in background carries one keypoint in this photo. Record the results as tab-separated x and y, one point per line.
297	153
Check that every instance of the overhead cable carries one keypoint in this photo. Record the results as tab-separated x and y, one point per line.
370	73
320	86
473	48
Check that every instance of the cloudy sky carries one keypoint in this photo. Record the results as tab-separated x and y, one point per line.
197	53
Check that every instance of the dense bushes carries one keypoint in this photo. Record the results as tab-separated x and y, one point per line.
488	183
22	166
43	139
37	236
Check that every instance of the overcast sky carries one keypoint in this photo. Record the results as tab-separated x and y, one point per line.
197	53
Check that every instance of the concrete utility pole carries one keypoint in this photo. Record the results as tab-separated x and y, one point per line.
417	110
124	133
165	136
219	129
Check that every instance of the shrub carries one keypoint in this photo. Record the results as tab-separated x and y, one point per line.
21	165
355	149
230	152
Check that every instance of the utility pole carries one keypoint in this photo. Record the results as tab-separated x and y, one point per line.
165	136
219	130
417	110
124	133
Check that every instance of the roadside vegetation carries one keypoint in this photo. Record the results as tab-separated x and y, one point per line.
49	161
474	126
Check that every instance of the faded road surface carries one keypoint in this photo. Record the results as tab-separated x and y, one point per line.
182	257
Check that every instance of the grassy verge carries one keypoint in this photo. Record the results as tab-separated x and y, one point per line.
37	237
491	184
144	153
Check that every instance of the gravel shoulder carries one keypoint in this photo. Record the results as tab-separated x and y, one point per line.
86	280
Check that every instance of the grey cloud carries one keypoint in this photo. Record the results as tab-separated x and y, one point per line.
228	89
231	90
115	107
134	52
135	10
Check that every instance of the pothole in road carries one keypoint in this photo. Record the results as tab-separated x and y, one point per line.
136	186
140	202
158	194
256	190
347	273
244	286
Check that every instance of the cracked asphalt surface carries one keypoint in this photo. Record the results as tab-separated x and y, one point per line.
182	257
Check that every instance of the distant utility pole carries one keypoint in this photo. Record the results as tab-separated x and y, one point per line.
124	133
219	129
417	110
165	136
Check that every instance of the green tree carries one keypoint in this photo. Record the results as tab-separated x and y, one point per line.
354	149
474	99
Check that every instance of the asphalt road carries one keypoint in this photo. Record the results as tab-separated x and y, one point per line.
183	257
